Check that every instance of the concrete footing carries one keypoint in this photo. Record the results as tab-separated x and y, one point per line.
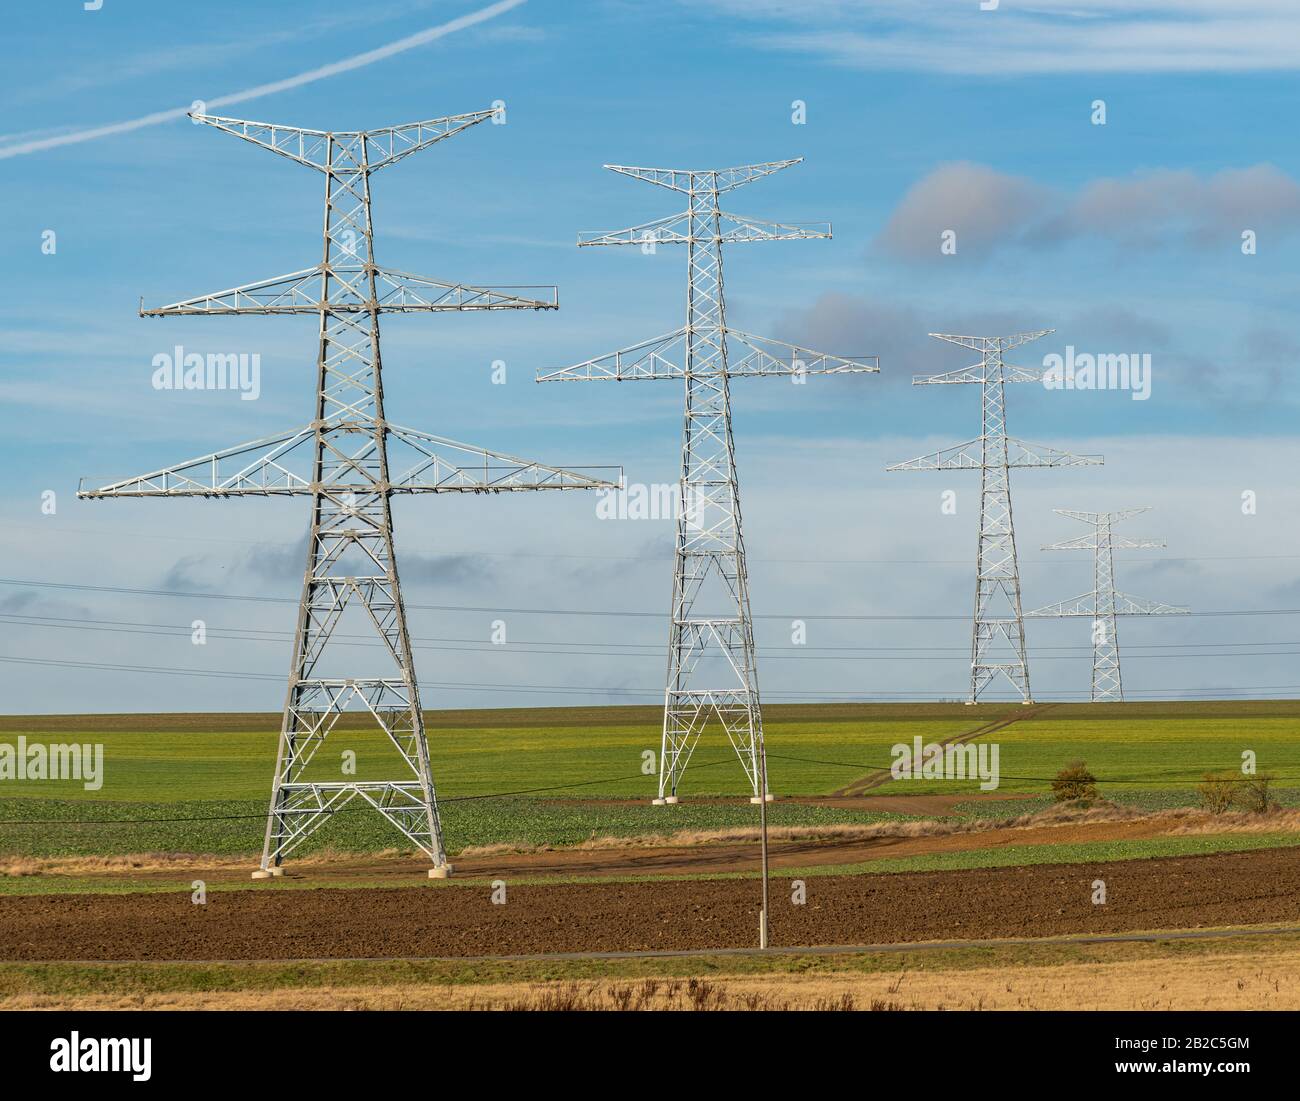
268	873
658	802
442	871
756	800
670	799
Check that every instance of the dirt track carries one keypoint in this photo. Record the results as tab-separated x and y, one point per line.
881	777
716	858
720	858
270	923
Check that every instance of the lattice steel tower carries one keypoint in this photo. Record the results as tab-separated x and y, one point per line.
1104	603
350	460
998	631
711	668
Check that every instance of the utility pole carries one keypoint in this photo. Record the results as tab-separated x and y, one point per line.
350	460
1105	603
998	629
711	666
762	826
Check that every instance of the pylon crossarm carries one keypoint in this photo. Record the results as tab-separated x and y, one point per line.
675	229
1115	542
1022	453
445	466
1082	542
389	145
1095	518
661	357
297	292
347	290
674	179
258	468
1085	605
978	372
765	356
993	343
309	147
728	179
402	291
671	230
1135	605
962	456
757	229
312	147
720	180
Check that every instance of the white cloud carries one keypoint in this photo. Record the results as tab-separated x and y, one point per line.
347	64
1049	36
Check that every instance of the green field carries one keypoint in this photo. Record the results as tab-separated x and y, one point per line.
228	828
530	776
161	758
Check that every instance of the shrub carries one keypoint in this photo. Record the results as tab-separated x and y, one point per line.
1074	781
1217	791
1255	793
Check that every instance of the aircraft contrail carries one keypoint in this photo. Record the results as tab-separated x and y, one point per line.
347	64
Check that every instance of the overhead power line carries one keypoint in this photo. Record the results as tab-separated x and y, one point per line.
639	651
489	609
848	697
660	559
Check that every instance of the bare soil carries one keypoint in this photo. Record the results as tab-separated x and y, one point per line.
265	922
708	856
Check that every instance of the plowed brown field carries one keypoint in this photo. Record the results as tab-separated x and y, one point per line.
266	922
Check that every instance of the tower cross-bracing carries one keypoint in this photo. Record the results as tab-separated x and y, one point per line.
350	460
998	629
711	666
1105	603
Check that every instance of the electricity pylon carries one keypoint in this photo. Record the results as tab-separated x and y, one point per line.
710	620
1104	603
345	461
998	630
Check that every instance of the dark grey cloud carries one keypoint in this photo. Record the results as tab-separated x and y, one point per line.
282	565
446	569
18	602
982	206
844	324
1260	370
195	573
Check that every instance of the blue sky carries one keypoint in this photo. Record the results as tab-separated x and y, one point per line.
920	117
